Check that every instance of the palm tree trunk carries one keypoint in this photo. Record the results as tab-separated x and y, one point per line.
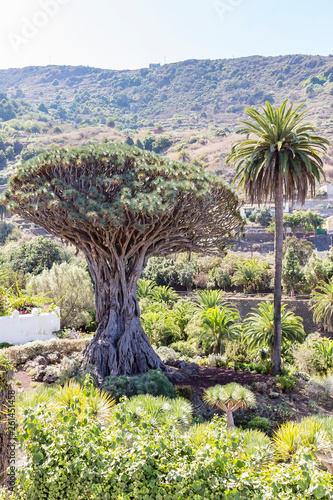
276	357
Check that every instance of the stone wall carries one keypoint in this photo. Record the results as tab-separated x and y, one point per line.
19	329
300	307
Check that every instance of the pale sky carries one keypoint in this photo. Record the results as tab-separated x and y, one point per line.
129	34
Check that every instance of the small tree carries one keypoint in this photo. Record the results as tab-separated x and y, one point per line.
218	326
292	274
302	248
120	206
229	398
259	327
35	255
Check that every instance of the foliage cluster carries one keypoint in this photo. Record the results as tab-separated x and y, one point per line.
153	382
148	449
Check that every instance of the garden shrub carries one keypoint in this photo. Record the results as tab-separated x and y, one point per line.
3	345
35	255
237	352
70	284
20	354
188	348
136	460
184	391
153	382
285	382
259	423
166	353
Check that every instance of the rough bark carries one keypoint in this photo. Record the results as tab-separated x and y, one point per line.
276	358
120	346
231	422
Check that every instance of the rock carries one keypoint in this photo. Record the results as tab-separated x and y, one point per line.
274	395
178	376
29	364
191	369
176	363
40	360
53	357
39	377
50	379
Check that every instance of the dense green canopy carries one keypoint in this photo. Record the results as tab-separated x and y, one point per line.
100	194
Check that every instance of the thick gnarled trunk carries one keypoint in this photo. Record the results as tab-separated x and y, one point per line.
276	351
120	346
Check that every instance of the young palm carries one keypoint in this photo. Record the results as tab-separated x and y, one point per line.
182	313
259	327
164	294
208	299
218	326
144	288
229	398
247	273
322	304
280	157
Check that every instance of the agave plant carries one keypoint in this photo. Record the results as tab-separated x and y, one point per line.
164	294
198	434
208	299
73	396
229	398
159	410
324	354
40	399
257	446
314	435
322	304
292	437
219	324
144	288
259	327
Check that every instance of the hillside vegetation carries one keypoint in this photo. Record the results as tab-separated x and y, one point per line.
188	110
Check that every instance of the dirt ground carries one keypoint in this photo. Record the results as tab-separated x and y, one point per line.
212	376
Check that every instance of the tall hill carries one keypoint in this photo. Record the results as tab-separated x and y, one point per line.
193	105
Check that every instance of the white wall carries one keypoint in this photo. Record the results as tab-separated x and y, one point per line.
19	329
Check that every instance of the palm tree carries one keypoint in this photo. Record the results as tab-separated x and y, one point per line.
182	313
322	304
208	299
259	327
183	156
281	158
144	288
218	325
164	294
229	398
247	273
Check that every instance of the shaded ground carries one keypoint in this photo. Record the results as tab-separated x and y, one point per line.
212	376
293	405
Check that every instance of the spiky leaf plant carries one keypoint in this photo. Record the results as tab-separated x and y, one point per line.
157	410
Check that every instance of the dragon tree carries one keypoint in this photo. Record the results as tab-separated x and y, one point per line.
120	206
